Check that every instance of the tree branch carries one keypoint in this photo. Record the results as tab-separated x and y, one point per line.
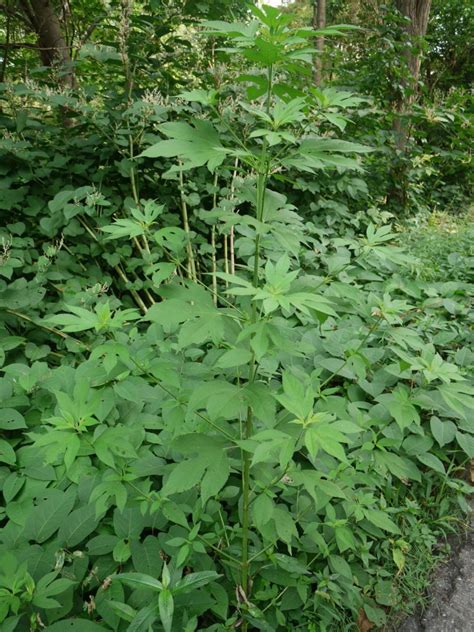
8	45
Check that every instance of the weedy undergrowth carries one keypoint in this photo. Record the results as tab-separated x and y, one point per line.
248	452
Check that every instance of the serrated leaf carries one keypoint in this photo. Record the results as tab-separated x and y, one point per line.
196	145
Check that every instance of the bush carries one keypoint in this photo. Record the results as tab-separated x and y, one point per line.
242	416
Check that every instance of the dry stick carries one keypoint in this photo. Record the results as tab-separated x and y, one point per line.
184	212
231	249
226	260
150	297
221	298
122	275
231	236
129	77
52	330
213	245
231	558
135	195
134	293
214	265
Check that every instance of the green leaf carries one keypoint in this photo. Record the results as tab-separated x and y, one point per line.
375	615
75	625
459	397
324	438
123	228
262	510
399	558
385	593
80	320
210	467
121	552
122	610
381	520
192	581
49	515
207	326
144	619
174	513
217	473
196	145
80	523
139	579
400	407
466	442
7	454
339	565
102	544
221	399
443	431
185	475
296	398
205	97
432	461
12	485
402	468
345	539
11	419
234	357
146	555
284	524
129	523
313	483
11	623
166	608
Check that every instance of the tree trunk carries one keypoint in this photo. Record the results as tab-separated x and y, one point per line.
319	22
417	12
53	48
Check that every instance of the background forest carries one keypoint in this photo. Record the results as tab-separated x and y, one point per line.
236	324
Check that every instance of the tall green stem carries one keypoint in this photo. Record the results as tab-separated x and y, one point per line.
261	184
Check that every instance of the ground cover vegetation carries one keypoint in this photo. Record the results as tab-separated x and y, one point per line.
236	281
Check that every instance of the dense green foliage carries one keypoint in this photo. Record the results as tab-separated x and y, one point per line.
236	392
